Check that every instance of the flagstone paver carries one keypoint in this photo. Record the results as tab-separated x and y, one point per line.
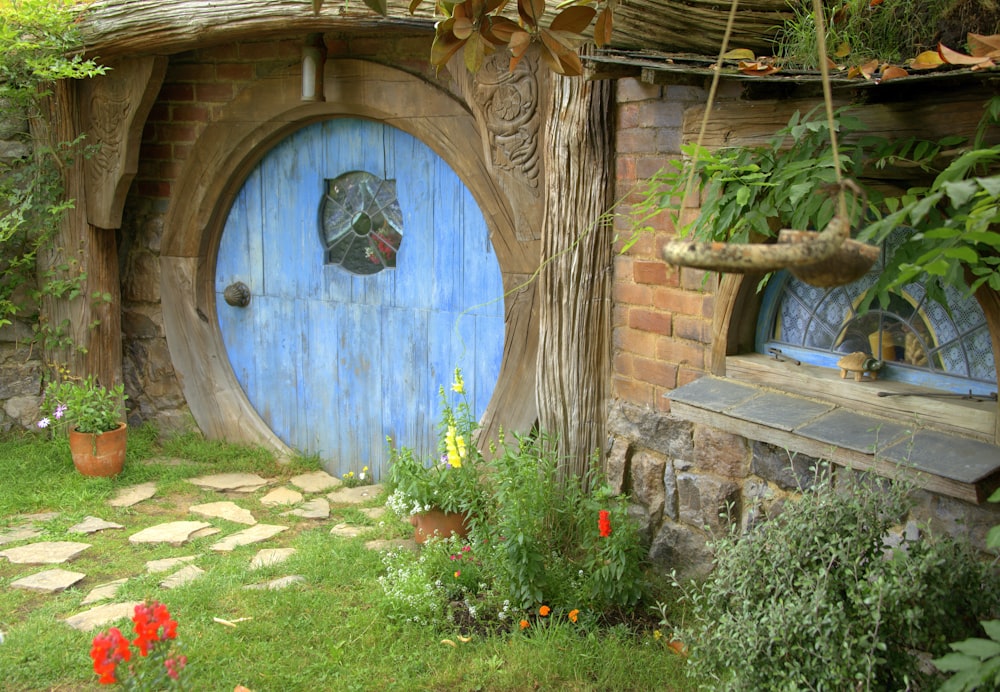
268	557
354	496
373	512
231	482
224	510
281	496
276	584
173	532
49	581
168	563
93	525
19	533
133	495
255	534
38	516
103	592
315	482
348	530
101	615
184	575
44	553
316	508
391	544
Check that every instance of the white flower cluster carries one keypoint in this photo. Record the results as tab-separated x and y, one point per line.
399	504
408	589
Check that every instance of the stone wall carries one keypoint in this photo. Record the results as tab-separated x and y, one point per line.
690	482
20	364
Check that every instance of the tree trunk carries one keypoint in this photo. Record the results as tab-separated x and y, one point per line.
574	348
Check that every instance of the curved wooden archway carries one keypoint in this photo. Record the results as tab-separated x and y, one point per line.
227	151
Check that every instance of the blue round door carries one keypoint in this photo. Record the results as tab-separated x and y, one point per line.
367	277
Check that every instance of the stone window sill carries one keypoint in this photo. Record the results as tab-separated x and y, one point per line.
947	446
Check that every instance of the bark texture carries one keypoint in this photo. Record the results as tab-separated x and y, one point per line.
575	306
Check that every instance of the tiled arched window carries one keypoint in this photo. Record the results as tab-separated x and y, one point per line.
920	340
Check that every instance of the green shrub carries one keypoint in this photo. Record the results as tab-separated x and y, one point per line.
816	599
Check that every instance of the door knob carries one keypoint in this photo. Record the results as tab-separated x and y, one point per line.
237	294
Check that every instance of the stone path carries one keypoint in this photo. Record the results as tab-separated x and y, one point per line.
180	569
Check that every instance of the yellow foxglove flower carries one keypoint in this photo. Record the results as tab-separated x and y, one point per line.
459	384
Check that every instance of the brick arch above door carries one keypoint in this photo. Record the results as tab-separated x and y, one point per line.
220	160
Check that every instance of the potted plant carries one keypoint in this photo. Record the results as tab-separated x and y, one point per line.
440	495
94	416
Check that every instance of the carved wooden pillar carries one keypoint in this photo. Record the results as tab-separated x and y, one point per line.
574	354
111	111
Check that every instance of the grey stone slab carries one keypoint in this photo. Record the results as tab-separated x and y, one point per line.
316	508
224	510
49	581
184	575
103	592
172	532
781	411
348	530
354	496
102	615
133	495
255	534
851	430
384	544
18	533
277	584
231	482
713	393
957	458
281	496
168	563
315	482
93	525
44	553
38	516
373	512
268	557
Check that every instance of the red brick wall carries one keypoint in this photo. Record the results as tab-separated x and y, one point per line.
662	316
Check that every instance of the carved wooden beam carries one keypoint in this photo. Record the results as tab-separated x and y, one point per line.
113	110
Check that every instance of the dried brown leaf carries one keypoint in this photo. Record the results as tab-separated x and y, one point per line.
953	57
603	27
984	46
740	54
928	60
573	19
893	72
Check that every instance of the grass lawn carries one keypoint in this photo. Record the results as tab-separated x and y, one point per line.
334	631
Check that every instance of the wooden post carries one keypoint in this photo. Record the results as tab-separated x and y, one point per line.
574	351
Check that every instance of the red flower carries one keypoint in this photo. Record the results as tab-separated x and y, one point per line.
107	650
604	523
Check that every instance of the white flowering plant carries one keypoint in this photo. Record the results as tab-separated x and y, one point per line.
453	481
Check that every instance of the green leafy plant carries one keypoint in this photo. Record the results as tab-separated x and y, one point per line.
818	598
83	404
975	662
452	482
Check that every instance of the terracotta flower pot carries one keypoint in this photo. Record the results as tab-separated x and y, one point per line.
436	521
99	454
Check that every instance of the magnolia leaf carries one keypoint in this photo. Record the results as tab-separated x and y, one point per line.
560	56
866	70
603	27
984	65
474	53
378	6
519	42
928	60
494	6
462	28
758	68
573	19
843	50
414	4
317	6
953	57
740	54
530	11
984	46
445	45
474	8
499	29
893	72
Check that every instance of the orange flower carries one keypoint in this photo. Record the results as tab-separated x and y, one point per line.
525	624
544	611
573	615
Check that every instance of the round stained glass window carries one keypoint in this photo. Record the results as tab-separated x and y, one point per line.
361	225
